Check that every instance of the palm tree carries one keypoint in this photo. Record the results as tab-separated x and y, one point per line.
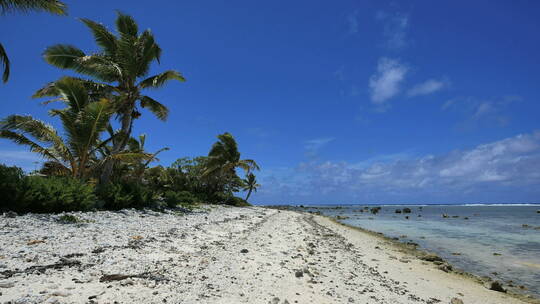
121	68
224	157
250	184
83	122
10	6
137	146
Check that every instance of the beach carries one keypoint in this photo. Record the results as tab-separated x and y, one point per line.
218	254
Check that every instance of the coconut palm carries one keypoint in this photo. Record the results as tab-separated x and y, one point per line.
121	68
10	6
83	123
224	157
250	184
137	146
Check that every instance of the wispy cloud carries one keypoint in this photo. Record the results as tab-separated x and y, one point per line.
481	112
340	73
352	22
259	132
500	171
428	87
25	159
395	27
313	146
385	83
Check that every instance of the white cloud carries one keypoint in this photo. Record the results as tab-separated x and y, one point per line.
385	83
507	170
395	29
427	87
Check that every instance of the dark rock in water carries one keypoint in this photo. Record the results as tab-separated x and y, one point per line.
299	274
431	258
244	251
495	285
407	217
537	211
419	215
375	210
456	301
339	217
398	211
496	253
465	218
445	267
407	210
455	216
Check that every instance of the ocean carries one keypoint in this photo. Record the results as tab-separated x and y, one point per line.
498	241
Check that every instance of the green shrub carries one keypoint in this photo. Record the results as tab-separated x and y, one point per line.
69	219
11	180
126	194
38	194
183	198
54	194
237	202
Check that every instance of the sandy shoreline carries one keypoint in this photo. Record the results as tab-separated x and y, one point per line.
226	255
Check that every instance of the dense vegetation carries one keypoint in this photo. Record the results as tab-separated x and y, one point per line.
90	164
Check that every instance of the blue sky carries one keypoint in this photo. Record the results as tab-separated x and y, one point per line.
338	101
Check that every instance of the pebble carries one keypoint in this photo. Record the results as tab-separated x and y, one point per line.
456	301
6	284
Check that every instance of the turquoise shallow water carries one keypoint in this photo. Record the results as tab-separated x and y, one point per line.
491	242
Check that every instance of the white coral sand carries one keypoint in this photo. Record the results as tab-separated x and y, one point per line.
224	255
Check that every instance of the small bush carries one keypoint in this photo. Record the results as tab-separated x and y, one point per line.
38	194
54	194
68	218
126	194
183	198
11	180
237	202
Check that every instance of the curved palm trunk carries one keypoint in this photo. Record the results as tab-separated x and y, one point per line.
118	146
249	193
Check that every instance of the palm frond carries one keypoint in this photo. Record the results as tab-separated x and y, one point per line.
95	90
63	56
54	168
161	111
21	139
149	51
49	6
73	92
126	25
105	39
4	59
159	80
69	57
